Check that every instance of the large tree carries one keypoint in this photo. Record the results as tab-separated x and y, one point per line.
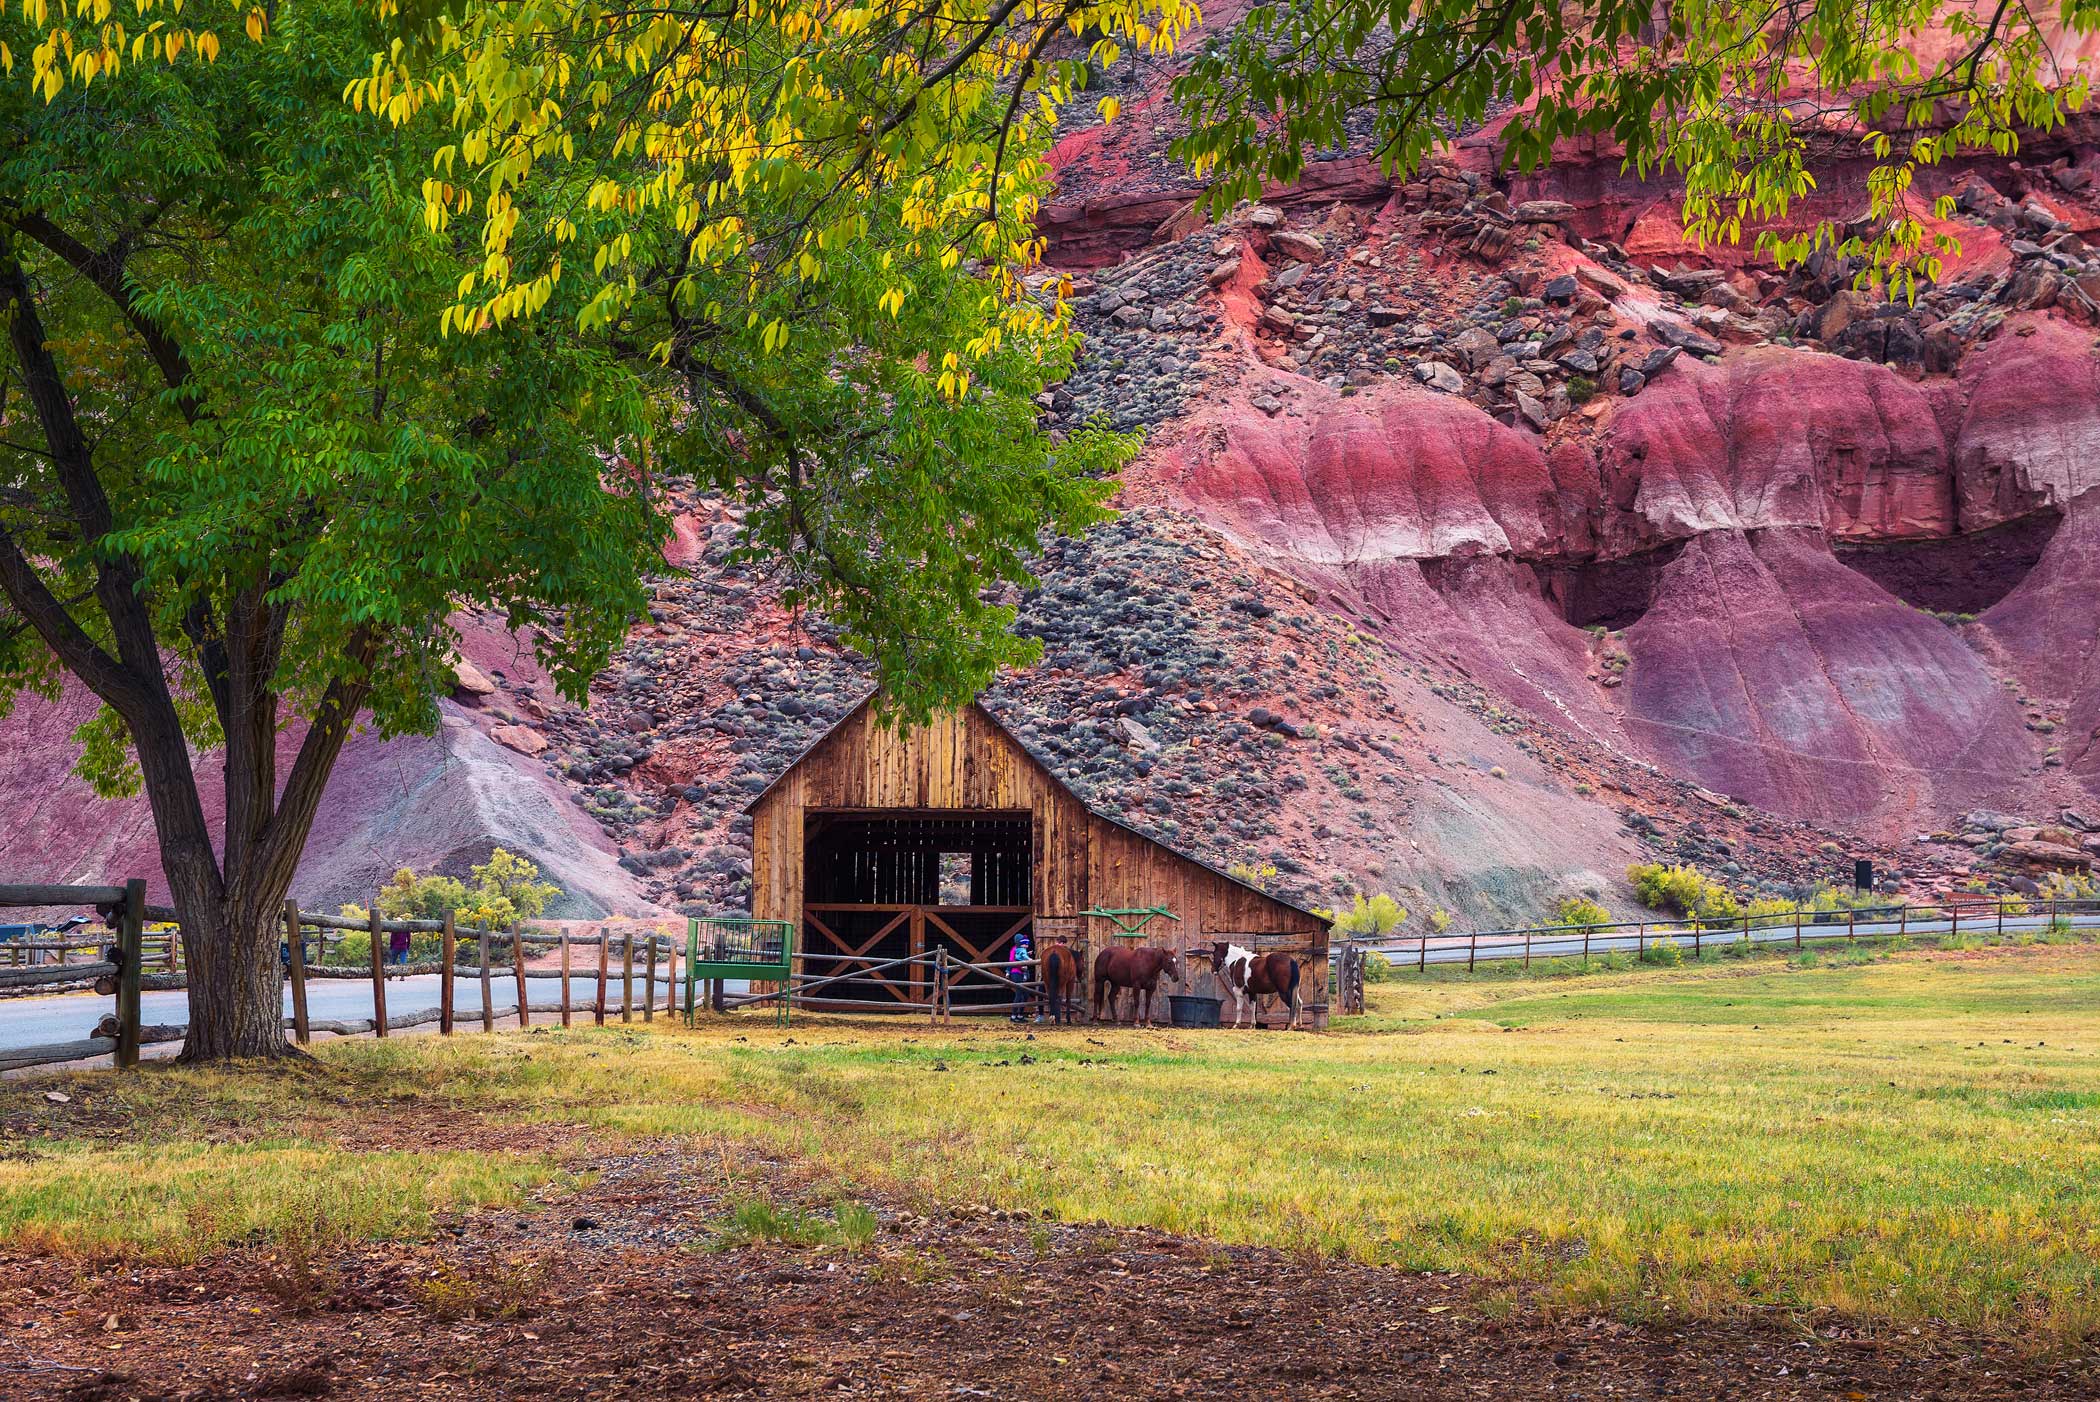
249	470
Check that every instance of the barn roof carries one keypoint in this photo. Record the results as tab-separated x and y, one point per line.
978	706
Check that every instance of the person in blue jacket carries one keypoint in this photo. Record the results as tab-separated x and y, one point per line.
1020	967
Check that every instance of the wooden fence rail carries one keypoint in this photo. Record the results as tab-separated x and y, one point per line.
121	1033
1948	916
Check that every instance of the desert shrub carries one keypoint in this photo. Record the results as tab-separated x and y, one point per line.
1666	952
1439	920
505	890
1618	961
1255	874
1581	389
1376	917
1377	968
1767	911
1683	890
2070	886
1580	910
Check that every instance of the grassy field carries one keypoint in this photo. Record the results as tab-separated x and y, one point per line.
1907	1139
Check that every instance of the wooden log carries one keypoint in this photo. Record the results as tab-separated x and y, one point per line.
627	978
447	976
51	973
131	930
378	968
649	983
517	963
19	895
53	1053
671	978
296	944
488	999
565	980
604	949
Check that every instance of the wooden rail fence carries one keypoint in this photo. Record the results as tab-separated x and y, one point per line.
648	955
1950	916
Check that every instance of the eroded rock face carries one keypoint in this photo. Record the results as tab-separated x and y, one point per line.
1703	515
1403	473
1777	438
2030	427
1780	677
437	802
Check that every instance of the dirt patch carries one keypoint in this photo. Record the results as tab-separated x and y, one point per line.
619	1291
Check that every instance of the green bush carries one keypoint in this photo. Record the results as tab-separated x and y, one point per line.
506	890
1684	890
1377	968
1581	389
1439	920
1665	951
1378	916
1580	910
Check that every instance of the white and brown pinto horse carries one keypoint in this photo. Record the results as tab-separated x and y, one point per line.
1138	970
1248	978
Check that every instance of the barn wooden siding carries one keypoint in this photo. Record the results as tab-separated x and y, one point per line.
965	760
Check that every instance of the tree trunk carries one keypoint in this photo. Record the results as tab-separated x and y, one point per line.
236	986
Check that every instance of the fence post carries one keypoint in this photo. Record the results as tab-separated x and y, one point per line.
376	927
1640	940
670	976
1527	949
517	964
297	947
627	977
1698	934
1472	948
1586	945
488	997
1953	917
448	951
131	941
2001	917
649	983
1797	925
1902	919
1851	923
604	954
565	978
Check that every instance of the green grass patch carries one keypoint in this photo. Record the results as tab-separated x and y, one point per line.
1912	1138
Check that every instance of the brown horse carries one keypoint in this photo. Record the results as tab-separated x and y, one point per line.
1250	977
1139	971
1060	977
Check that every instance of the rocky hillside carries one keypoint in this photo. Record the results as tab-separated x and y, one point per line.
1487	539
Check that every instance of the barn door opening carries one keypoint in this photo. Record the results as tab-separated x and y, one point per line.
888	884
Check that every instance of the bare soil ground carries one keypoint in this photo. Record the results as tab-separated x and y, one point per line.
626	1290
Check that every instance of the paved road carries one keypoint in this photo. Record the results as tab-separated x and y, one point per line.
1453	949
64	1017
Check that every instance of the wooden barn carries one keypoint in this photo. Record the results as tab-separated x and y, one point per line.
880	844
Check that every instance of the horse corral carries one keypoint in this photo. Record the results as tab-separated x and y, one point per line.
884	845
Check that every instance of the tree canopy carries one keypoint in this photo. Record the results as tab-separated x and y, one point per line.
1736	97
252	470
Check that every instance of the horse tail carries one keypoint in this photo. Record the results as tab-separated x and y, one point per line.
1292	996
